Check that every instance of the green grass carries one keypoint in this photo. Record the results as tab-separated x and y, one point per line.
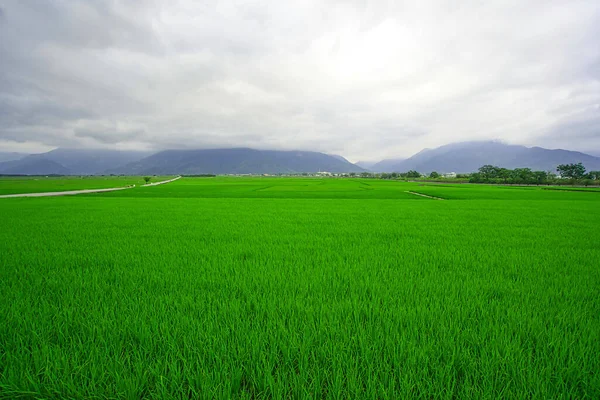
208	288
486	192
40	184
269	188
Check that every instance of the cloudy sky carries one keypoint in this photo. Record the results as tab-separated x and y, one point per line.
365	79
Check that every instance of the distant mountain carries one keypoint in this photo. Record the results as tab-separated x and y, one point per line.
469	156
67	161
341	158
366	164
32	166
236	161
11	156
91	162
386	165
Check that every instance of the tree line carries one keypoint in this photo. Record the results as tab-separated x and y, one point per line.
567	173
571	174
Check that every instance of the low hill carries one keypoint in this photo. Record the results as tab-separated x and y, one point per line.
469	156
4	156
236	161
32	166
91	161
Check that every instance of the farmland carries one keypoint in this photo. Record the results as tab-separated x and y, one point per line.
41	184
301	288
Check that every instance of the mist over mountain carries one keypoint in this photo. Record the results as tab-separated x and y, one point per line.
92	162
467	157
386	165
68	162
366	164
236	161
4	156
457	157
32	166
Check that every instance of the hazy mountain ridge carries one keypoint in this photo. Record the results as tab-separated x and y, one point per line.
467	157
6	156
70	162
236	161
457	157
32	166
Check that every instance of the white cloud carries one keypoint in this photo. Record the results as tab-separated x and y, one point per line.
366	79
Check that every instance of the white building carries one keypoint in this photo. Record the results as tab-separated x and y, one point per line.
450	175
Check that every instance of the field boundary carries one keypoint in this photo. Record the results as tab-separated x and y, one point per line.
66	193
423	195
83	191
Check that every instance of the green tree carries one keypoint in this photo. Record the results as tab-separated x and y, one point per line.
523	175
413	174
541	177
147	179
595	175
504	174
489	172
434	175
572	171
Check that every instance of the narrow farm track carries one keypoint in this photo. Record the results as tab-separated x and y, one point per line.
424	195
162	182
84	191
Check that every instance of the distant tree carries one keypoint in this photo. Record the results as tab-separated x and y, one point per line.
489	172
147	179
476	177
523	175
572	171
541	177
434	175
504	174
413	174
594	175
394	175
366	174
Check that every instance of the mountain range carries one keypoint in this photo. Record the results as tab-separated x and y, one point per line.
462	157
68	162
467	157
236	161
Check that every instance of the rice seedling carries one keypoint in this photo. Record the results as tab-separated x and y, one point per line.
299	288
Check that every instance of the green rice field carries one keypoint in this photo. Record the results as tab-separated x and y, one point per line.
41	184
276	288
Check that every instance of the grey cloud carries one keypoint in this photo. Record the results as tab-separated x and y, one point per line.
109	135
581	130
365	79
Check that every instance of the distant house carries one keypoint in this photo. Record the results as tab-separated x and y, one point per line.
324	173
450	175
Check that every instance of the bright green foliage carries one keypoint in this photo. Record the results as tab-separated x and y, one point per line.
296	188
227	293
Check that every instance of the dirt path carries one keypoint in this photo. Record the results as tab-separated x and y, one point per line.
424	195
74	192
163	182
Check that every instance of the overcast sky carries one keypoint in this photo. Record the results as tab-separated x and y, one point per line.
364	79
